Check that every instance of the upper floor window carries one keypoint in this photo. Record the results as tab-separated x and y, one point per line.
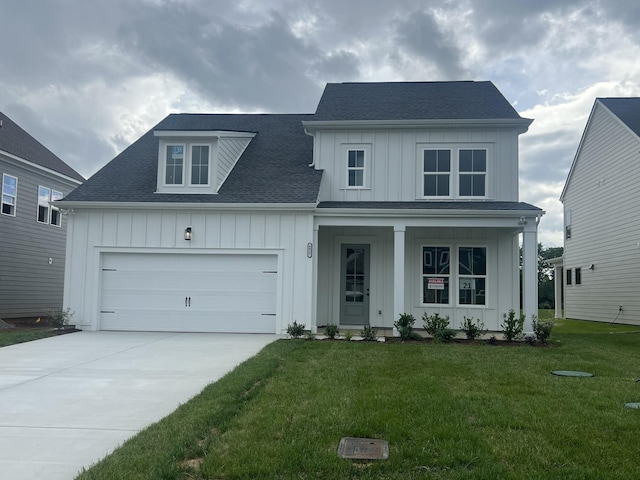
437	173
578	276
181	158
48	213
9	193
355	168
472	173
454	172
567	224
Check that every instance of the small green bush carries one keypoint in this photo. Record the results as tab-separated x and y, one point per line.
310	335
433	323
404	325
332	330
58	318
471	328
296	330
348	336
444	335
369	333
542	329
512	326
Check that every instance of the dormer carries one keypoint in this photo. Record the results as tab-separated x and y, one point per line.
197	161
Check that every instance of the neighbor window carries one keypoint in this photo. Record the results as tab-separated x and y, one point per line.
472	271
48	213
436	167
568	276
567	224
355	168
472	171
200	165
9	192
435	275
578	276
174	165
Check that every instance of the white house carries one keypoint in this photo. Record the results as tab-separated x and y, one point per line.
602	216
391	198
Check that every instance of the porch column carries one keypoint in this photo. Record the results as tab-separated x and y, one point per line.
314	281
530	272
398	274
557	285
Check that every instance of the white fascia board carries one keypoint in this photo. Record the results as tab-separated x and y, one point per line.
188	206
20	160
202	133
426	213
522	124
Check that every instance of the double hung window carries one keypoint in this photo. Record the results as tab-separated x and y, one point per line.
9	193
355	168
472	271
472	168
190	161
48	213
437	173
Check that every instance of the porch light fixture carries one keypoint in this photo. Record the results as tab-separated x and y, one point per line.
309	250
188	234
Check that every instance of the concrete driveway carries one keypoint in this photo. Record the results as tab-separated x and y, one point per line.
67	401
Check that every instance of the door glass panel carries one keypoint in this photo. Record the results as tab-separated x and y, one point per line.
354	279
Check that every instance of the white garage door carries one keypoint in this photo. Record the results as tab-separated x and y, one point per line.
188	293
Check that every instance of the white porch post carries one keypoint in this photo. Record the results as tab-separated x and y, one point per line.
558	275
398	273
530	272
314	281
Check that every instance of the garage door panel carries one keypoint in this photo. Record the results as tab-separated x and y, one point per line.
195	293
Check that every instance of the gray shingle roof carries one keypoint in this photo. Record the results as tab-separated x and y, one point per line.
626	109
16	141
273	169
413	101
435	205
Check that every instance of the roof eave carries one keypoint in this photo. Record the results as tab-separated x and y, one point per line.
426	212
520	124
69	204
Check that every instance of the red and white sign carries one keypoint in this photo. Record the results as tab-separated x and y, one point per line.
435	283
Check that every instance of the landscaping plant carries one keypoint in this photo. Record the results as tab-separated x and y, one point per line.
404	325
58	318
472	329
296	330
433	323
332	331
369	333
512	326
541	329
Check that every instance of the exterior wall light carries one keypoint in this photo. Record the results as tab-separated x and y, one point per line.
188	234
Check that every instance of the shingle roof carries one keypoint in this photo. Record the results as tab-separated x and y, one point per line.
626	109
435	205
413	101
273	169
16	141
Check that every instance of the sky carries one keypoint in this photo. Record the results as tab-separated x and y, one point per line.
87	78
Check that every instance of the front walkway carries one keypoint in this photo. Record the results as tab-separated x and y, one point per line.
68	401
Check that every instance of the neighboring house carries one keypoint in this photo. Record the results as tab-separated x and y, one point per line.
32	231
602	216
391	198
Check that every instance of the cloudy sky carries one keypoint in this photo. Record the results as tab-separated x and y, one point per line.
87	78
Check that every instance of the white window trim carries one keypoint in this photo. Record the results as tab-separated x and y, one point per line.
54	208
454	276
454	173
15	197
186	184
190	165
366	169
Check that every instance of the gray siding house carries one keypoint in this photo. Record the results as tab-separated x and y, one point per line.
390	198
32	231
601	201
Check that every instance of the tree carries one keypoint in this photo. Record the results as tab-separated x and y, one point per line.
546	294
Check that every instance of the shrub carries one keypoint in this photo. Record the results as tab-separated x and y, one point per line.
404	325
512	326
369	333
541	329
348	336
472	329
296	330
58	318
444	335
433	323
332	331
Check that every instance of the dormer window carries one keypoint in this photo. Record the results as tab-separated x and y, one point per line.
174	165
200	165
191	169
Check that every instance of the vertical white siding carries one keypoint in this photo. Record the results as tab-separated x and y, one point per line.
395	169
604	197
94	231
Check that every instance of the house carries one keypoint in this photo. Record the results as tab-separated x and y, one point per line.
390	198
32	231
602	216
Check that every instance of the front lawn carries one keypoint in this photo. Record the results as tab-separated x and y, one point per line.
10	337
449	411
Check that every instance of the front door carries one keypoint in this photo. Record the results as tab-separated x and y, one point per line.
354	285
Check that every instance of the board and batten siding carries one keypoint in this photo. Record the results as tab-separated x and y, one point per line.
32	256
94	231
395	169
603	196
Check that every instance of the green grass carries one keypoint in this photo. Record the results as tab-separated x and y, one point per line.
7	337
448	411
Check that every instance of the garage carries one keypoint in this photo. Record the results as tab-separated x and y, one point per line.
188	292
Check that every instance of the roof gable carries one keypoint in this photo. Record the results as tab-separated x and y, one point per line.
626	109
413	101
17	142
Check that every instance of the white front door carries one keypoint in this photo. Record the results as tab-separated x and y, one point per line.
354	284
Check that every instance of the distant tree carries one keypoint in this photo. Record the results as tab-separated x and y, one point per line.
546	293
